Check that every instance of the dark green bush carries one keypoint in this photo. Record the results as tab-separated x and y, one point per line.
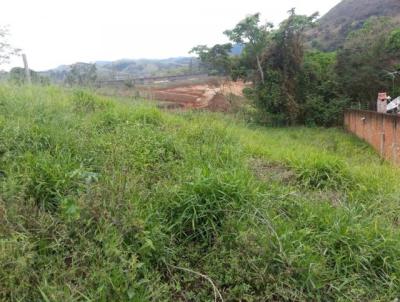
198	210
318	112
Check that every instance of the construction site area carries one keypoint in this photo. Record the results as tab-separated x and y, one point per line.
184	92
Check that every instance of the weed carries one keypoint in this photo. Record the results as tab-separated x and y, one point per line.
321	172
198	210
107	199
85	101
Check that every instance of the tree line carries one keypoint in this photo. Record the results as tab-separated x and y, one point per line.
295	83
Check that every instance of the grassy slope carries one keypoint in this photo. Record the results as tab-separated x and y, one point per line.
102	200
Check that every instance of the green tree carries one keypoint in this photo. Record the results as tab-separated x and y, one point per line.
283	64
216	60
17	76
318	87
82	74
254	36
369	59
6	50
288	55
393	41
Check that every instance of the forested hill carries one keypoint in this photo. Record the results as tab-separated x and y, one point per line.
347	16
130	68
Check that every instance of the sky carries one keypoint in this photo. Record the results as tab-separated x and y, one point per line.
55	32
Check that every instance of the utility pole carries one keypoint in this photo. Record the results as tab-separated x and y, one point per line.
27	72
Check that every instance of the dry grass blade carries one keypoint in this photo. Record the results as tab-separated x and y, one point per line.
217	293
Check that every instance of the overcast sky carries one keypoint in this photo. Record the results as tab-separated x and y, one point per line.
55	32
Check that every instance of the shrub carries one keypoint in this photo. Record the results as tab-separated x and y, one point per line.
88	102
199	208
52	178
318	112
322	172
393	41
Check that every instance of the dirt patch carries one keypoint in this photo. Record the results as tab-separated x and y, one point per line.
274	172
336	198
219	103
210	95
186	97
267	171
234	88
214	94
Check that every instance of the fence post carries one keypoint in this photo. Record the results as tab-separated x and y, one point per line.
27	71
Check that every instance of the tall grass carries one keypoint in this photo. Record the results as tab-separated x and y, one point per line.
104	200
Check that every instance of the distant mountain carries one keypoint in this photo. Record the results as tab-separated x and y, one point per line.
347	16
129	68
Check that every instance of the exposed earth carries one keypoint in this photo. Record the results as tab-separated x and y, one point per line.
213	96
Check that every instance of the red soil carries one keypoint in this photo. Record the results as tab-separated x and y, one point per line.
210	96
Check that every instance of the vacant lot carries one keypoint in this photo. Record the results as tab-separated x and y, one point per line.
105	201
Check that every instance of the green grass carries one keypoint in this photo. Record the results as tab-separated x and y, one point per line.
104	200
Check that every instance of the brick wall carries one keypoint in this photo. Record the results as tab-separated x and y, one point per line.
380	130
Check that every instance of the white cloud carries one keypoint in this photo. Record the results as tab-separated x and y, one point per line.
54	32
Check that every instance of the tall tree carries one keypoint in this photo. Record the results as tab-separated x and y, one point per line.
283	62
216	59
369	59
17	76
254	36
82	74
288	55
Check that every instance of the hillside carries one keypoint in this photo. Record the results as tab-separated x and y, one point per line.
130	68
347	16
148	67
127	68
115	200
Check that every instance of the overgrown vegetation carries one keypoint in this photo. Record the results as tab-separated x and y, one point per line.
370	60
348	16
82	74
296	84
17	76
102	200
